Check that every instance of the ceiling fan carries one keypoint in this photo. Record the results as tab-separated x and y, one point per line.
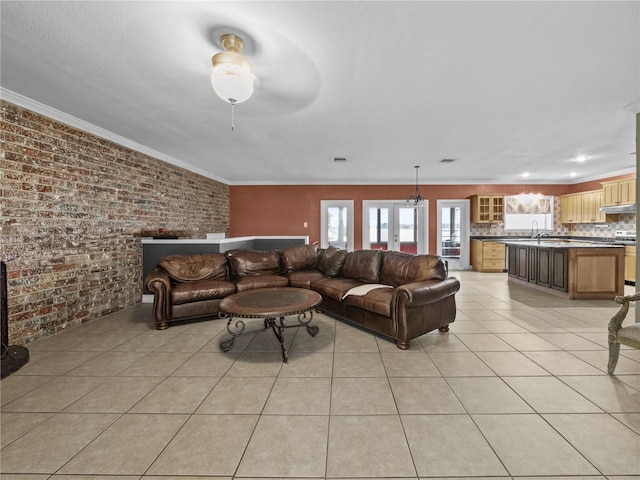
268	69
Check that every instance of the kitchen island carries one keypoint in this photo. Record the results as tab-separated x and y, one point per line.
568	268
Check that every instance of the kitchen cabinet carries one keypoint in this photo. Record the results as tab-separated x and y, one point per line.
571	206
591	203
621	192
582	207
487	256
487	208
559	271
541	266
630	264
522	263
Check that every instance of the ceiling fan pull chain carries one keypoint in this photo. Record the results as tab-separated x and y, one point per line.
232	120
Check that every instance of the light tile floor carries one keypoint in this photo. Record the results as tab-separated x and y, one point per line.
518	388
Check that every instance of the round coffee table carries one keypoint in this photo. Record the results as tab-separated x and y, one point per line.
273	305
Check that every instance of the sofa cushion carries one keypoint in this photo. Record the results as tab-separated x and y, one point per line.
253	262
188	268
250	282
331	261
401	268
376	301
334	287
303	278
199	290
363	265
299	257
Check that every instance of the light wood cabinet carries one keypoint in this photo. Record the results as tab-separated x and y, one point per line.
621	192
487	256
487	208
582	207
591	203
571	208
630	263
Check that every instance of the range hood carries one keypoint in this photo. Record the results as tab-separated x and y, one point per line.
617	209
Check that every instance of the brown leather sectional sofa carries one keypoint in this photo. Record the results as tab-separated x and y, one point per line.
400	296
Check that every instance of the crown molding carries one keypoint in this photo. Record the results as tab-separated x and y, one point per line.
62	117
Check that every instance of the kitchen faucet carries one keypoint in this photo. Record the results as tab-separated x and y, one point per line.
540	235
534	235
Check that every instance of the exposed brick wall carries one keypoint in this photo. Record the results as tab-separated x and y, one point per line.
72	209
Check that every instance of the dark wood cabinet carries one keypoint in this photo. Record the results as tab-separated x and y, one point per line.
512	256
533	265
542	266
522	263
559	270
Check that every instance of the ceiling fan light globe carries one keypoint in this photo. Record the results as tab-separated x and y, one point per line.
231	86
232	77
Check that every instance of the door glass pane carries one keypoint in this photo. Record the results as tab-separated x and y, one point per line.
408	219
337	226
450	229
379	228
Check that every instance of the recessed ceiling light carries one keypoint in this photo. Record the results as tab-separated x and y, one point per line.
581	158
573	174
526	174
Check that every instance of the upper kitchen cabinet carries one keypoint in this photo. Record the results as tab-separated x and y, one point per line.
585	207
621	192
591	203
487	208
571	208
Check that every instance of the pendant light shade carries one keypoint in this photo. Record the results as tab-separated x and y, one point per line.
232	77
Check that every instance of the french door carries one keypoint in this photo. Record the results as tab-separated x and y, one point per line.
395	226
453	233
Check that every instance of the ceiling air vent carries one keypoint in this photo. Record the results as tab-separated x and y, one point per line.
447	160
339	159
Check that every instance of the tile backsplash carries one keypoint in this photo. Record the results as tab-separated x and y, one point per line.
605	230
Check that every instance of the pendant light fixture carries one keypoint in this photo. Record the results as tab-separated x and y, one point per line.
232	76
416	200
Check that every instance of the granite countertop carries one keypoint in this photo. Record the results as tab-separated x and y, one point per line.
557	243
591	241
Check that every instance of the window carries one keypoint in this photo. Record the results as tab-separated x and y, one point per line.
336	220
528	212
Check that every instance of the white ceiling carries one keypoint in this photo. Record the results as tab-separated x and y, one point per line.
502	87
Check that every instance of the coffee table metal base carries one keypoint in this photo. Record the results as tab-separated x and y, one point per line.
277	324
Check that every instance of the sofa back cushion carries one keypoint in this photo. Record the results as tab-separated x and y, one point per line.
299	257
244	262
401	268
363	265
189	268
331	261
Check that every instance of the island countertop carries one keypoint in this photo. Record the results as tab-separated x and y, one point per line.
558	243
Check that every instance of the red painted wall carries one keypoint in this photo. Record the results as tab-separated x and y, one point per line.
283	209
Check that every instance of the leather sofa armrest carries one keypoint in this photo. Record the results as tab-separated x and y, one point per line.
159	283
428	291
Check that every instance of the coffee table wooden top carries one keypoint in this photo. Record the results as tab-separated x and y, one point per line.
270	302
